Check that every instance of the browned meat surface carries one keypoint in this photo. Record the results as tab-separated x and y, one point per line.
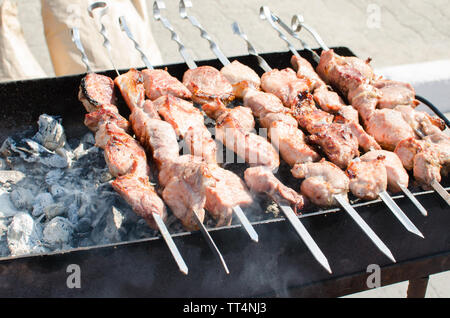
240	77
396	173
349	114
105	113
365	141
207	84
343	73
365	100
367	178
158	83
188	123
323	180
407	149
131	85
395	93
227	192
262	180
309	116
141	196
306	71
286	86
96	90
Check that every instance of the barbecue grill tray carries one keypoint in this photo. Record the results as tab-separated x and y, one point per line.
280	264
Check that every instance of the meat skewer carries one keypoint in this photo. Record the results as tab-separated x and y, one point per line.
298	23
236	209
142	203
259	178
305	70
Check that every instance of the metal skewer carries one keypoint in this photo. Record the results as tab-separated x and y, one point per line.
157	6
287	210
158	220
297	24
103	6
339	198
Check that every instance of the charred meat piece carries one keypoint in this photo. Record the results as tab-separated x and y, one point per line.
131	85
262	180
308	115
158	83
240	77
395	93
141	196
207	84
105	113
306	71
344	73
96	90
188	123
227	192
286	86
396	173
367	178
323	180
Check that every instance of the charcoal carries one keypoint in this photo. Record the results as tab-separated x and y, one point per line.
51	133
24	235
11	176
57	232
40	202
7	208
22	198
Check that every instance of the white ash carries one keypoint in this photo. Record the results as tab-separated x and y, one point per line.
55	194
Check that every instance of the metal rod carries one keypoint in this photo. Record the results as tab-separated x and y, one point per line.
298	22
399	214
103	6
213	45
251	49
413	199
305	236
171	244
364	226
265	14
441	191
124	27
210	241
246	223
76	39
158	5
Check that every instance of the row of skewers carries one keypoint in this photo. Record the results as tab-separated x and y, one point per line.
393	136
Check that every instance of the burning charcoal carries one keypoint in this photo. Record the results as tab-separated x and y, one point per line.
23	235
51	133
22	198
57	232
83	226
54	210
72	213
114	229
7	209
53	176
40	202
11	176
57	191
56	161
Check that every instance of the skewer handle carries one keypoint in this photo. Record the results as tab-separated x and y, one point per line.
124	27
213	45
266	14
251	49
157	6
76	39
298	22
103	6
210	242
171	244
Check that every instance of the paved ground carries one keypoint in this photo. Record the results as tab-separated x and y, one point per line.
391	32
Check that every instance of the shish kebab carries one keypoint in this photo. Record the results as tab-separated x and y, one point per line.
186	180
259	178
361	185
429	157
247	79
330	101
125	158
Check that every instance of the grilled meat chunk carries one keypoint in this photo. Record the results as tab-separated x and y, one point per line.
367	178
240	77
141	196
306	71
105	113
421	121
207	84
131	85
262	180
158	83
395	93
96	90
328	100
396	173
323	180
